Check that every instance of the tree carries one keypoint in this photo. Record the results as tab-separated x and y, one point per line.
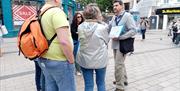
103	4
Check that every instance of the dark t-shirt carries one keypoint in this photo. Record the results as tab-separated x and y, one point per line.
74	32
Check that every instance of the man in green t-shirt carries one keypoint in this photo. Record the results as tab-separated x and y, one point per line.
58	63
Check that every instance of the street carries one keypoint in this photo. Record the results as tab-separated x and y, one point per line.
154	66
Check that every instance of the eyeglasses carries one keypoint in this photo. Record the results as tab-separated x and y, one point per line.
78	16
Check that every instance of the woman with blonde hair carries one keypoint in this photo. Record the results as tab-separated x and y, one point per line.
93	52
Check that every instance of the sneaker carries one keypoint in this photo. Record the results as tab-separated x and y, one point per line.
119	89
125	83
78	74
114	82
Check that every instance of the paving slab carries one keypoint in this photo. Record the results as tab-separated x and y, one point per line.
154	66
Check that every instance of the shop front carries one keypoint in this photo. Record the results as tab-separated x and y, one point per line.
166	15
14	12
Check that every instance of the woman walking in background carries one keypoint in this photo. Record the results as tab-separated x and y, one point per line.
93	52
143	26
77	20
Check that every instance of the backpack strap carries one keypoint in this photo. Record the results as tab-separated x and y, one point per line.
39	19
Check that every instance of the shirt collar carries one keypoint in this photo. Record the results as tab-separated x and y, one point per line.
121	13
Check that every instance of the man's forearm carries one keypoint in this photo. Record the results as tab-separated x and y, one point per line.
67	49
66	45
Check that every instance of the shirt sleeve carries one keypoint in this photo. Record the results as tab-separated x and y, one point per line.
105	34
131	27
59	19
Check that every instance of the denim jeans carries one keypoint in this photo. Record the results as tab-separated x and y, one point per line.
174	37
59	75
143	31
177	39
89	79
39	77
76	47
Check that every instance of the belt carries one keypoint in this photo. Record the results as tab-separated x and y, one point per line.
44	58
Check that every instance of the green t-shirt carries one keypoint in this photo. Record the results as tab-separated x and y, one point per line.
53	19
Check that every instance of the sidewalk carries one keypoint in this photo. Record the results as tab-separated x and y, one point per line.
154	66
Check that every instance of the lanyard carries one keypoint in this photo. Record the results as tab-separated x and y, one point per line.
118	19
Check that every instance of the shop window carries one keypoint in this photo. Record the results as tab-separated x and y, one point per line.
127	6
166	1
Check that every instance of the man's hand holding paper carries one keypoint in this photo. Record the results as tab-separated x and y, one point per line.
116	32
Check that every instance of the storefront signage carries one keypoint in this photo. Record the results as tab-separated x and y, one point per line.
168	11
22	12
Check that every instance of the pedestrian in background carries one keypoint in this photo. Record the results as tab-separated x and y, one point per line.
177	25
93	52
170	28
57	63
174	29
77	20
3	31
143	27
126	19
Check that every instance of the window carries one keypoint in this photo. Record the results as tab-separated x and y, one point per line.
166	1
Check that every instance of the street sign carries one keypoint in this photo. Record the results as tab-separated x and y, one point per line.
22	12
174	10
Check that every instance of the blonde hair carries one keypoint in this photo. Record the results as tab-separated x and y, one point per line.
92	11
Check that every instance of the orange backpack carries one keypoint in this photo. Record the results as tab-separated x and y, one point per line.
31	39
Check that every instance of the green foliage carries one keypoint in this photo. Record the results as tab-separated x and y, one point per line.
103	4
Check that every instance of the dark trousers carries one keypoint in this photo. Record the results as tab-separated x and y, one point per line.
39	78
174	36
177	39
143	31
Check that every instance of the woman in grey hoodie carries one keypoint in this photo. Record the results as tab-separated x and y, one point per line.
93	52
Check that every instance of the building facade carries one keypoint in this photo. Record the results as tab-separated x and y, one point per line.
161	12
14	12
167	10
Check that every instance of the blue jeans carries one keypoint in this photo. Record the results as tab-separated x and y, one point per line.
89	79
76	47
59	75
39	77
177	38
143	31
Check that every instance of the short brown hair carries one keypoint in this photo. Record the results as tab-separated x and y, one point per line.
91	11
119	1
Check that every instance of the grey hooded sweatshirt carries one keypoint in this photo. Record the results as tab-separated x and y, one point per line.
93	37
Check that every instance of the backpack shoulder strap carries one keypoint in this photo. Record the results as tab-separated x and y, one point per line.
39	19
41	13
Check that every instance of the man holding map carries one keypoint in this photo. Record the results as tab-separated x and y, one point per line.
125	23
